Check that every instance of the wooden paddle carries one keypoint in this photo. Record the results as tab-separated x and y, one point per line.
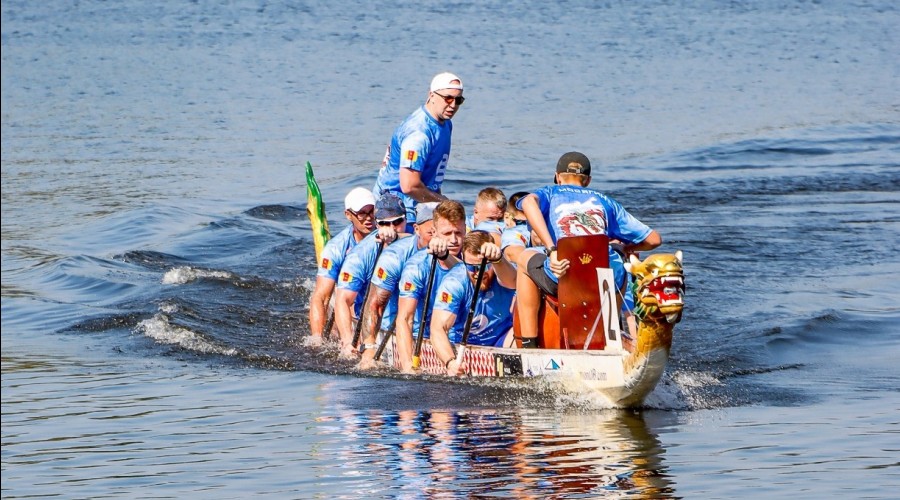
422	323
468	328
362	312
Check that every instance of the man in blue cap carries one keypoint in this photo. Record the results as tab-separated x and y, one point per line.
381	307
353	280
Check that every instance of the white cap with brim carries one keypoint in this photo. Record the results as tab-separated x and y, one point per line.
358	198
446	81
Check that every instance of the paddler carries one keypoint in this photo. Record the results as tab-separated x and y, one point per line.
356	272
492	318
359	208
380	308
446	247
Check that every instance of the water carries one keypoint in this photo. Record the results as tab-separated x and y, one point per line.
156	258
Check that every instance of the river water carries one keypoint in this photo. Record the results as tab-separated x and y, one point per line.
157	260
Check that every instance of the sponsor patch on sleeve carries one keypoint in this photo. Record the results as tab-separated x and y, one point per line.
346	277
326	263
380	273
408	286
411	155
446	298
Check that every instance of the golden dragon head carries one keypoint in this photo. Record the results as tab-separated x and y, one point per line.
658	287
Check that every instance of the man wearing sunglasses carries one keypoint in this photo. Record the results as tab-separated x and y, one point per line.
416	158
492	320
359	208
356	272
381	307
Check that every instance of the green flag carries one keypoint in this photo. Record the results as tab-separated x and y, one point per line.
315	209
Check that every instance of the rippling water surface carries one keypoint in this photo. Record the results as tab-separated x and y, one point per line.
157	260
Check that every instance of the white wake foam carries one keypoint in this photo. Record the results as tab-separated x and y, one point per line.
186	274
159	329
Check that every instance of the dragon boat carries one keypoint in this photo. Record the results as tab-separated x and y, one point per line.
582	338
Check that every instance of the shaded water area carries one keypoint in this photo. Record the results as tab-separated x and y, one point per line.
157	260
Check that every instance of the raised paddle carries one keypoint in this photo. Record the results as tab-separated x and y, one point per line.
362	312
421	335
465	336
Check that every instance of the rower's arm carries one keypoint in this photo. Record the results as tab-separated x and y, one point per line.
343	314
406	313
411	184
441	322
652	241
533	212
373	312
318	305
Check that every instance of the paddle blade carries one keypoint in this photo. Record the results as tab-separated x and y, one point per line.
315	209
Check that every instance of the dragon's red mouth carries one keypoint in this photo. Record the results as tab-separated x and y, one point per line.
668	290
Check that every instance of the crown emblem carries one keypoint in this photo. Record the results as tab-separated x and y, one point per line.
585	258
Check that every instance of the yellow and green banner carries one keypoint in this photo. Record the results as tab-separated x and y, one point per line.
315	209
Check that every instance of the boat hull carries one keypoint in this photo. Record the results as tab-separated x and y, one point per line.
618	377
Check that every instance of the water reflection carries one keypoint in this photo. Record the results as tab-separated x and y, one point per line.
510	453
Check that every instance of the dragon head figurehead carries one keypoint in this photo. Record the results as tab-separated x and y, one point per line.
658	287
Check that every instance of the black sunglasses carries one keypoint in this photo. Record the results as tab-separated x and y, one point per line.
391	222
449	99
361	215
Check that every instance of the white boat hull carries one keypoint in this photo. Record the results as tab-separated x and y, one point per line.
603	373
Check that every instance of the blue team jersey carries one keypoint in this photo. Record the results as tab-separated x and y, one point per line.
518	235
335	252
493	315
576	211
422	144
357	270
388	270
414	284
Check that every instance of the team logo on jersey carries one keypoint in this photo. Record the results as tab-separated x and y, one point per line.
412	155
408	287
327	264
346	277
380	273
446	298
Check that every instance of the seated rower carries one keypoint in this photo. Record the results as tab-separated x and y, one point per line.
380	310
492	318
446	244
359	208
490	205
353	280
569	208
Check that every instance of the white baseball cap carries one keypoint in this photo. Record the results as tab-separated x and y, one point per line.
358	198
446	81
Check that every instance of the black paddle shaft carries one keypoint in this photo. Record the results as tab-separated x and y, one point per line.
425	306
362	312
471	316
